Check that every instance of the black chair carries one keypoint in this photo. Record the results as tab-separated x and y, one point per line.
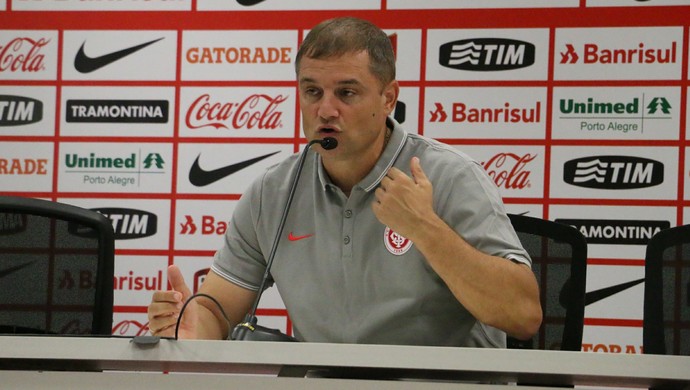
666	316
559	261
56	268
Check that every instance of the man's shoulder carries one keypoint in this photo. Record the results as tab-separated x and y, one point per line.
436	153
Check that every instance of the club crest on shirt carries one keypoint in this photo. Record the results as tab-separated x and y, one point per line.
395	243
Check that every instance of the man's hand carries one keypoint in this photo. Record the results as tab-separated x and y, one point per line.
403	202
165	307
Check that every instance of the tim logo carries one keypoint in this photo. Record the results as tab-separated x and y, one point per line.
130	223
613	172
487	54
19	110
12	223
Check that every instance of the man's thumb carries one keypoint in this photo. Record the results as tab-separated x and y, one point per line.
417	173
176	281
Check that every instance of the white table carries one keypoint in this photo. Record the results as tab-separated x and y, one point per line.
37	361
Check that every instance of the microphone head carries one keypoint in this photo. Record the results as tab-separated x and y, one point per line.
329	143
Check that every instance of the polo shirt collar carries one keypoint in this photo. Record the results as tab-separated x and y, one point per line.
384	163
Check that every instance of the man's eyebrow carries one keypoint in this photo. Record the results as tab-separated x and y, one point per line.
349	82
303	80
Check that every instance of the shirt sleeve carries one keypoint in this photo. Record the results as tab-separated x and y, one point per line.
469	201
240	260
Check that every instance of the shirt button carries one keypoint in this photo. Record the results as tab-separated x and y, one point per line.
346	240
348	213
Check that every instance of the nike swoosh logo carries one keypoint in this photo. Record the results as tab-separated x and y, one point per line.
598	295
85	64
249	2
292	237
11	270
200	177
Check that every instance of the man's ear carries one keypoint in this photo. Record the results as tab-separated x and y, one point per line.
390	94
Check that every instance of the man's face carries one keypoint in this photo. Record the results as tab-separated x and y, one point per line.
340	98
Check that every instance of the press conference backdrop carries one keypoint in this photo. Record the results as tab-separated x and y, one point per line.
576	108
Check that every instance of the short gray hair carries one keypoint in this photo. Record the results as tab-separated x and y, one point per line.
339	36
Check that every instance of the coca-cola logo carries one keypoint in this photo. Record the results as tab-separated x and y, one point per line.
508	170
23	55
130	328
257	111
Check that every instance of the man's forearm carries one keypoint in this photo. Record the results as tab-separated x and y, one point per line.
498	292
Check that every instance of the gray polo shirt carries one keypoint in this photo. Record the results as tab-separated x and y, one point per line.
343	276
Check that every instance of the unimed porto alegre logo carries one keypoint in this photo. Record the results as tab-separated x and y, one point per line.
487	54
104	169
613	172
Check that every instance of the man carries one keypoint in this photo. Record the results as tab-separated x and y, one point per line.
392	238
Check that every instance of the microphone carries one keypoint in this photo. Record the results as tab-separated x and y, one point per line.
248	330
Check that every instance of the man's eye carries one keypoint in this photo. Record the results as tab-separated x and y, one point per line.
311	91
347	93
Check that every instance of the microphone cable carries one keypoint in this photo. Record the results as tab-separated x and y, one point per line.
194	296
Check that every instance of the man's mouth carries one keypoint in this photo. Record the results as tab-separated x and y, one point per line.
327	131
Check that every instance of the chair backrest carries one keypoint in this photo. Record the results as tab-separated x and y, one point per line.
56	268
666	316
559	261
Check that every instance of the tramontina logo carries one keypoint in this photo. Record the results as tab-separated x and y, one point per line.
19	110
613	172
122	171
617	231
116	111
487	54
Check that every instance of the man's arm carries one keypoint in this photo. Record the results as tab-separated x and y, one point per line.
202	318
498	292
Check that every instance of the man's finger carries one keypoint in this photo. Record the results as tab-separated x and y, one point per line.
176	280
417	172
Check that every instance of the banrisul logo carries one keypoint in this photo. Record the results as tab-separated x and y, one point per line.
19	110
487	54
613	172
126	170
117	111
625	115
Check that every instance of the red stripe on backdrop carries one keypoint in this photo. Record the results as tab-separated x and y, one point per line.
130	309
549	127
471	18
613	322
618	262
422	81
175	146
682	169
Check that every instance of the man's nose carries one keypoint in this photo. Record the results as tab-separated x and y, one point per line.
328	107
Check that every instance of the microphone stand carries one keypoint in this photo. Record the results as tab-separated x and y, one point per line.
248	329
